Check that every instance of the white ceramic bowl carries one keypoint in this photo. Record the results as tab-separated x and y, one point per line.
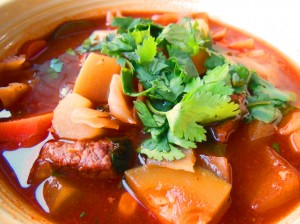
21	20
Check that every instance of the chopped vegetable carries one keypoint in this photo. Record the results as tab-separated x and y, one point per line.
93	118
276	147
56	65
95	76
177	103
12	93
82	214
242	44
263	193
127	204
58	193
219	35
117	102
62	119
180	196
26	131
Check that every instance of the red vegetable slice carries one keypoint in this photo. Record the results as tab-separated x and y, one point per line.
26	131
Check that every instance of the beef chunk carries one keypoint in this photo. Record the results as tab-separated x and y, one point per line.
81	155
94	159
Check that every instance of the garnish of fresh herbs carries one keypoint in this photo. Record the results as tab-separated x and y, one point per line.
180	102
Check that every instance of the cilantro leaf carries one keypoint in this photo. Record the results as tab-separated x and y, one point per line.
126	23
181	37
147	50
180	141
266	91
214	61
56	65
219	73
184	61
202	108
144	114
174	153
266	100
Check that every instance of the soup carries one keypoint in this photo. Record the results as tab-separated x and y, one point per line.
190	131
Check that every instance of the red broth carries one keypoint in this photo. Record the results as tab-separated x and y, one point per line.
97	200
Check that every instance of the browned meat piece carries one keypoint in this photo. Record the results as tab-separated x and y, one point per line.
103	159
81	155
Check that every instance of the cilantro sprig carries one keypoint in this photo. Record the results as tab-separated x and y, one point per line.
179	103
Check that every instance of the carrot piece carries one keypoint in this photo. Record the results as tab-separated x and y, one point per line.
290	123
199	60
117	102
295	141
94	77
12	63
93	118
166	18
12	93
219	35
242	44
256	53
127	204
62	119
25	131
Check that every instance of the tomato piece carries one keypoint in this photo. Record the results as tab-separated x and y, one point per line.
26	131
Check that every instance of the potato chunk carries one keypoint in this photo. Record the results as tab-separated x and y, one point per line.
62	119
13	93
57	192
95	76
275	184
177	196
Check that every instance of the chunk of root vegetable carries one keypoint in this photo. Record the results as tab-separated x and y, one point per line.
166	18
242	44
187	163
95	76
117	103
93	118
25	131
127	204
13	93
199	60
274	185
219	35
290	123
177	196
63	123
57	193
